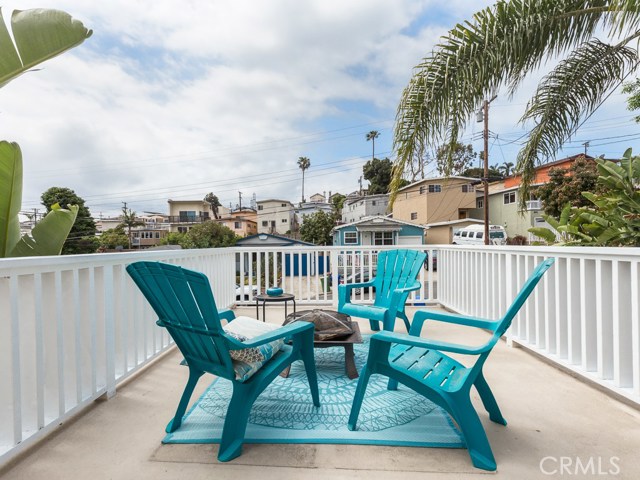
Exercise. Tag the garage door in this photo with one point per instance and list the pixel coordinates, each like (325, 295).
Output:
(409, 240)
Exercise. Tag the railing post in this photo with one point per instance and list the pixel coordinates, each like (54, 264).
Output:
(110, 332)
(334, 278)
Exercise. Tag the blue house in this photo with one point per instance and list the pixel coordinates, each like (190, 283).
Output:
(378, 230)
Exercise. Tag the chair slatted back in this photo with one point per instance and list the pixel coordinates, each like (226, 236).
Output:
(396, 269)
(524, 293)
(185, 306)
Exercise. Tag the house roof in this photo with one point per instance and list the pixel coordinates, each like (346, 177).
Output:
(452, 222)
(274, 200)
(267, 239)
(374, 221)
(430, 180)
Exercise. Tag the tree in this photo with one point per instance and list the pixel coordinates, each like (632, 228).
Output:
(210, 234)
(612, 219)
(177, 238)
(80, 239)
(477, 172)
(566, 186)
(214, 203)
(501, 46)
(36, 36)
(304, 163)
(454, 162)
(506, 168)
(633, 102)
(113, 238)
(316, 228)
(129, 221)
(372, 135)
(378, 173)
(337, 201)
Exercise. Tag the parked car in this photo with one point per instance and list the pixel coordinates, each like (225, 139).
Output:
(246, 292)
(474, 235)
(433, 261)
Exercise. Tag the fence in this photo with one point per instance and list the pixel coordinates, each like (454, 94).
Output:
(72, 328)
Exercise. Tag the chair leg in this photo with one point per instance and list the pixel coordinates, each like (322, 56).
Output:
(174, 424)
(363, 381)
(375, 325)
(389, 321)
(235, 423)
(475, 437)
(488, 400)
(312, 377)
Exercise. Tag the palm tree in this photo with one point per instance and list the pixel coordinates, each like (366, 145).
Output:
(214, 204)
(304, 163)
(129, 221)
(372, 135)
(499, 47)
(506, 168)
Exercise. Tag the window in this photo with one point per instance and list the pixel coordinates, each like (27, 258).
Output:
(468, 188)
(509, 197)
(373, 202)
(350, 238)
(260, 207)
(283, 204)
(414, 215)
(435, 188)
(422, 189)
(237, 225)
(183, 229)
(480, 203)
(479, 234)
(383, 238)
(464, 234)
(157, 234)
(265, 223)
(187, 216)
(284, 220)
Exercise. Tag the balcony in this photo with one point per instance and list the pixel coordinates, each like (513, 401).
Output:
(74, 330)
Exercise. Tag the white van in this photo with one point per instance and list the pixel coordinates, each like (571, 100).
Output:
(474, 235)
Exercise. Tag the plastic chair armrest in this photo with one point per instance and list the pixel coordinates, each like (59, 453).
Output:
(227, 315)
(422, 315)
(282, 333)
(410, 340)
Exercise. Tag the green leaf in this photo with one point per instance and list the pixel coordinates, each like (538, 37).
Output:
(10, 195)
(544, 233)
(49, 234)
(39, 35)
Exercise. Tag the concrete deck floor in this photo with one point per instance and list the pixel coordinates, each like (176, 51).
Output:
(554, 420)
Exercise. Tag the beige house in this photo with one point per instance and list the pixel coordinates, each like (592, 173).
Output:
(275, 216)
(242, 222)
(184, 214)
(434, 200)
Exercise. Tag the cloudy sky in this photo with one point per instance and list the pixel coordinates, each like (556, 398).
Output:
(173, 99)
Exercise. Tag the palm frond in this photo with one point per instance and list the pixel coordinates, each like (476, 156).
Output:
(499, 47)
(573, 90)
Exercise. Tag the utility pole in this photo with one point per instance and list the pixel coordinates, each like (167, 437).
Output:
(239, 200)
(485, 179)
(586, 145)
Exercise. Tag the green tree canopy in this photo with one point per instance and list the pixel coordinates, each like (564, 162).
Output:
(477, 172)
(566, 186)
(209, 234)
(316, 228)
(82, 234)
(214, 203)
(337, 201)
(378, 173)
(454, 162)
(500, 47)
(113, 238)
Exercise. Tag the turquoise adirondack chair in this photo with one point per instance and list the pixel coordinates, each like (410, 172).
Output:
(421, 365)
(396, 274)
(184, 303)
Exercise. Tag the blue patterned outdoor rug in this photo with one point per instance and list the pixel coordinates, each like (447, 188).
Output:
(284, 412)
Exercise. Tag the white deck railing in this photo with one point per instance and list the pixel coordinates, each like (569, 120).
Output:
(72, 328)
